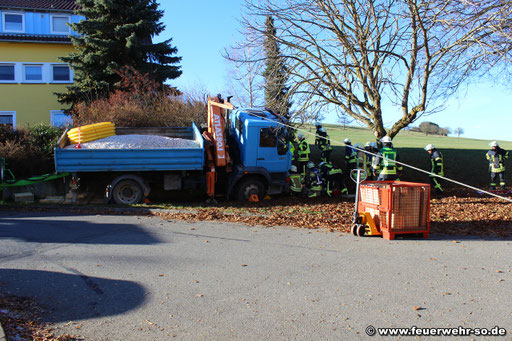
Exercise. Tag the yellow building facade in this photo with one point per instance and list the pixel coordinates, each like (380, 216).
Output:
(33, 35)
(30, 101)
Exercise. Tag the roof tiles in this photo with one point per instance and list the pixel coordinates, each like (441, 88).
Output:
(67, 5)
(34, 38)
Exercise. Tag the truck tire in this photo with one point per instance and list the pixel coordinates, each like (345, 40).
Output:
(249, 187)
(127, 192)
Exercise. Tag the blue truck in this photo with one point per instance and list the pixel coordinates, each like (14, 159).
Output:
(243, 154)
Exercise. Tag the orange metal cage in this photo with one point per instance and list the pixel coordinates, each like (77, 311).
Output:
(396, 206)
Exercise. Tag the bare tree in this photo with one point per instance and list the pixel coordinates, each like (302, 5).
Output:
(356, 54)
(244, 80)
(345, 120)
(459, 131)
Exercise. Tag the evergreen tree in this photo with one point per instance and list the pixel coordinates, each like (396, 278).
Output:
(117, 33)
(276, 73)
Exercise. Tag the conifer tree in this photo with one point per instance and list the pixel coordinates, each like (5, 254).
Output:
(117, 33)
(275, 74)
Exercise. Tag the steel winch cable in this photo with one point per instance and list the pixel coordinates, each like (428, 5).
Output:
(380, 156)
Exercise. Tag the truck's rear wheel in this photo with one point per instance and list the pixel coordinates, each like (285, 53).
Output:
(127, 192)
(249, 188)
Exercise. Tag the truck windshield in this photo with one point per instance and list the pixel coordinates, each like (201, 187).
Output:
(274, 137)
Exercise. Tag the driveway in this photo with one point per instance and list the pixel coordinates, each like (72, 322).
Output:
(108, 277)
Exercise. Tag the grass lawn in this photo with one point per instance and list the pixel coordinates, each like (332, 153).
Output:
(464, 159)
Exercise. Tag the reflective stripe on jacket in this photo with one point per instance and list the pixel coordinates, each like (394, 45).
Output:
(296, 183)
(437, 163)
(303, 152)
(496, 159)
(350, 154)
(386, 161)
(291, 147)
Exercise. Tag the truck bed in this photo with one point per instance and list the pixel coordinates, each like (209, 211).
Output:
(129, 160)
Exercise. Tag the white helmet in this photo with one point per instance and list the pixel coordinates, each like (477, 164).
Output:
(494, 144)
(368, 144)
(385, 139)
(318, 124)
(323, 130)
(293, 168)
(301, 136)
(429, 147)
(311, 164)
(347, 140)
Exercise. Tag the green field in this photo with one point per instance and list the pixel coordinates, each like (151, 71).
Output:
(464, 158)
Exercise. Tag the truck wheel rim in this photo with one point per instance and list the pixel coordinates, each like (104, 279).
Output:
(250, 190)
(127, 193)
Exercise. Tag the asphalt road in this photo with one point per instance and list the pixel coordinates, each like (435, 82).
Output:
(143, 278)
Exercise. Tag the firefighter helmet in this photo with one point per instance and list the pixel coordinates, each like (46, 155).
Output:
(429, 147)
(293, 168)
(385, 139)
(368, 144)
(347, 140)
(311, 164)
(494, 144)
(318, 124)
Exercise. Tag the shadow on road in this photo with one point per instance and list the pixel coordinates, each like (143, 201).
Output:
(67, 297)
(47, 230)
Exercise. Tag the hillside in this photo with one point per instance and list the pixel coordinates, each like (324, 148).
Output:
(405, 139)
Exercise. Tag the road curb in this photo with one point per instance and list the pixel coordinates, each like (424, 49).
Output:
(2, 334)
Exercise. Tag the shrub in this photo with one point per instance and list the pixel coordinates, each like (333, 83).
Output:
(141, 102)
(44, 136)
(29, 152)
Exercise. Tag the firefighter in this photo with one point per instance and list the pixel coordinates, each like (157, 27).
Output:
(296, 186)
(496, 157)
(303, 154)
(324, 143)
(370, 147)
(350, 155)
(437, 167)
(291, 148)
(385, 161)
(359, 155)
(313, 181)
(318, 126)
(332, 179)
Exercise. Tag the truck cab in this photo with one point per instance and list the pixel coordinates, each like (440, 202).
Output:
(258, 139)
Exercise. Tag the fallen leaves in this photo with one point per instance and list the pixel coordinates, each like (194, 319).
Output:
(459, 214)
(21, 320)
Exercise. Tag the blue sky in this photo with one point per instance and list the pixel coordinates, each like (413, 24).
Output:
(201, 30)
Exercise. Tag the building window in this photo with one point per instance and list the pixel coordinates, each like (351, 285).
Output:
(59, 24)
(61, 73)
(13, 22)
(7, 72)
(60, 119)
(33, 73)
(8, 118)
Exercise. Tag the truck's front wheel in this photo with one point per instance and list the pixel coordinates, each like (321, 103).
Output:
(127, 192)
(249, 189)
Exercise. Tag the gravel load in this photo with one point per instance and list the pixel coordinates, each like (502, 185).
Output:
(135, 141)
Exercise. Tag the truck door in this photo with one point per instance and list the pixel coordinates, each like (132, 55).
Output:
(273, 150)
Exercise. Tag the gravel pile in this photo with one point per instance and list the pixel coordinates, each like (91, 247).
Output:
(138, 142)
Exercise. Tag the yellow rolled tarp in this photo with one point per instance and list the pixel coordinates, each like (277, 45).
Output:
(91, 132)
